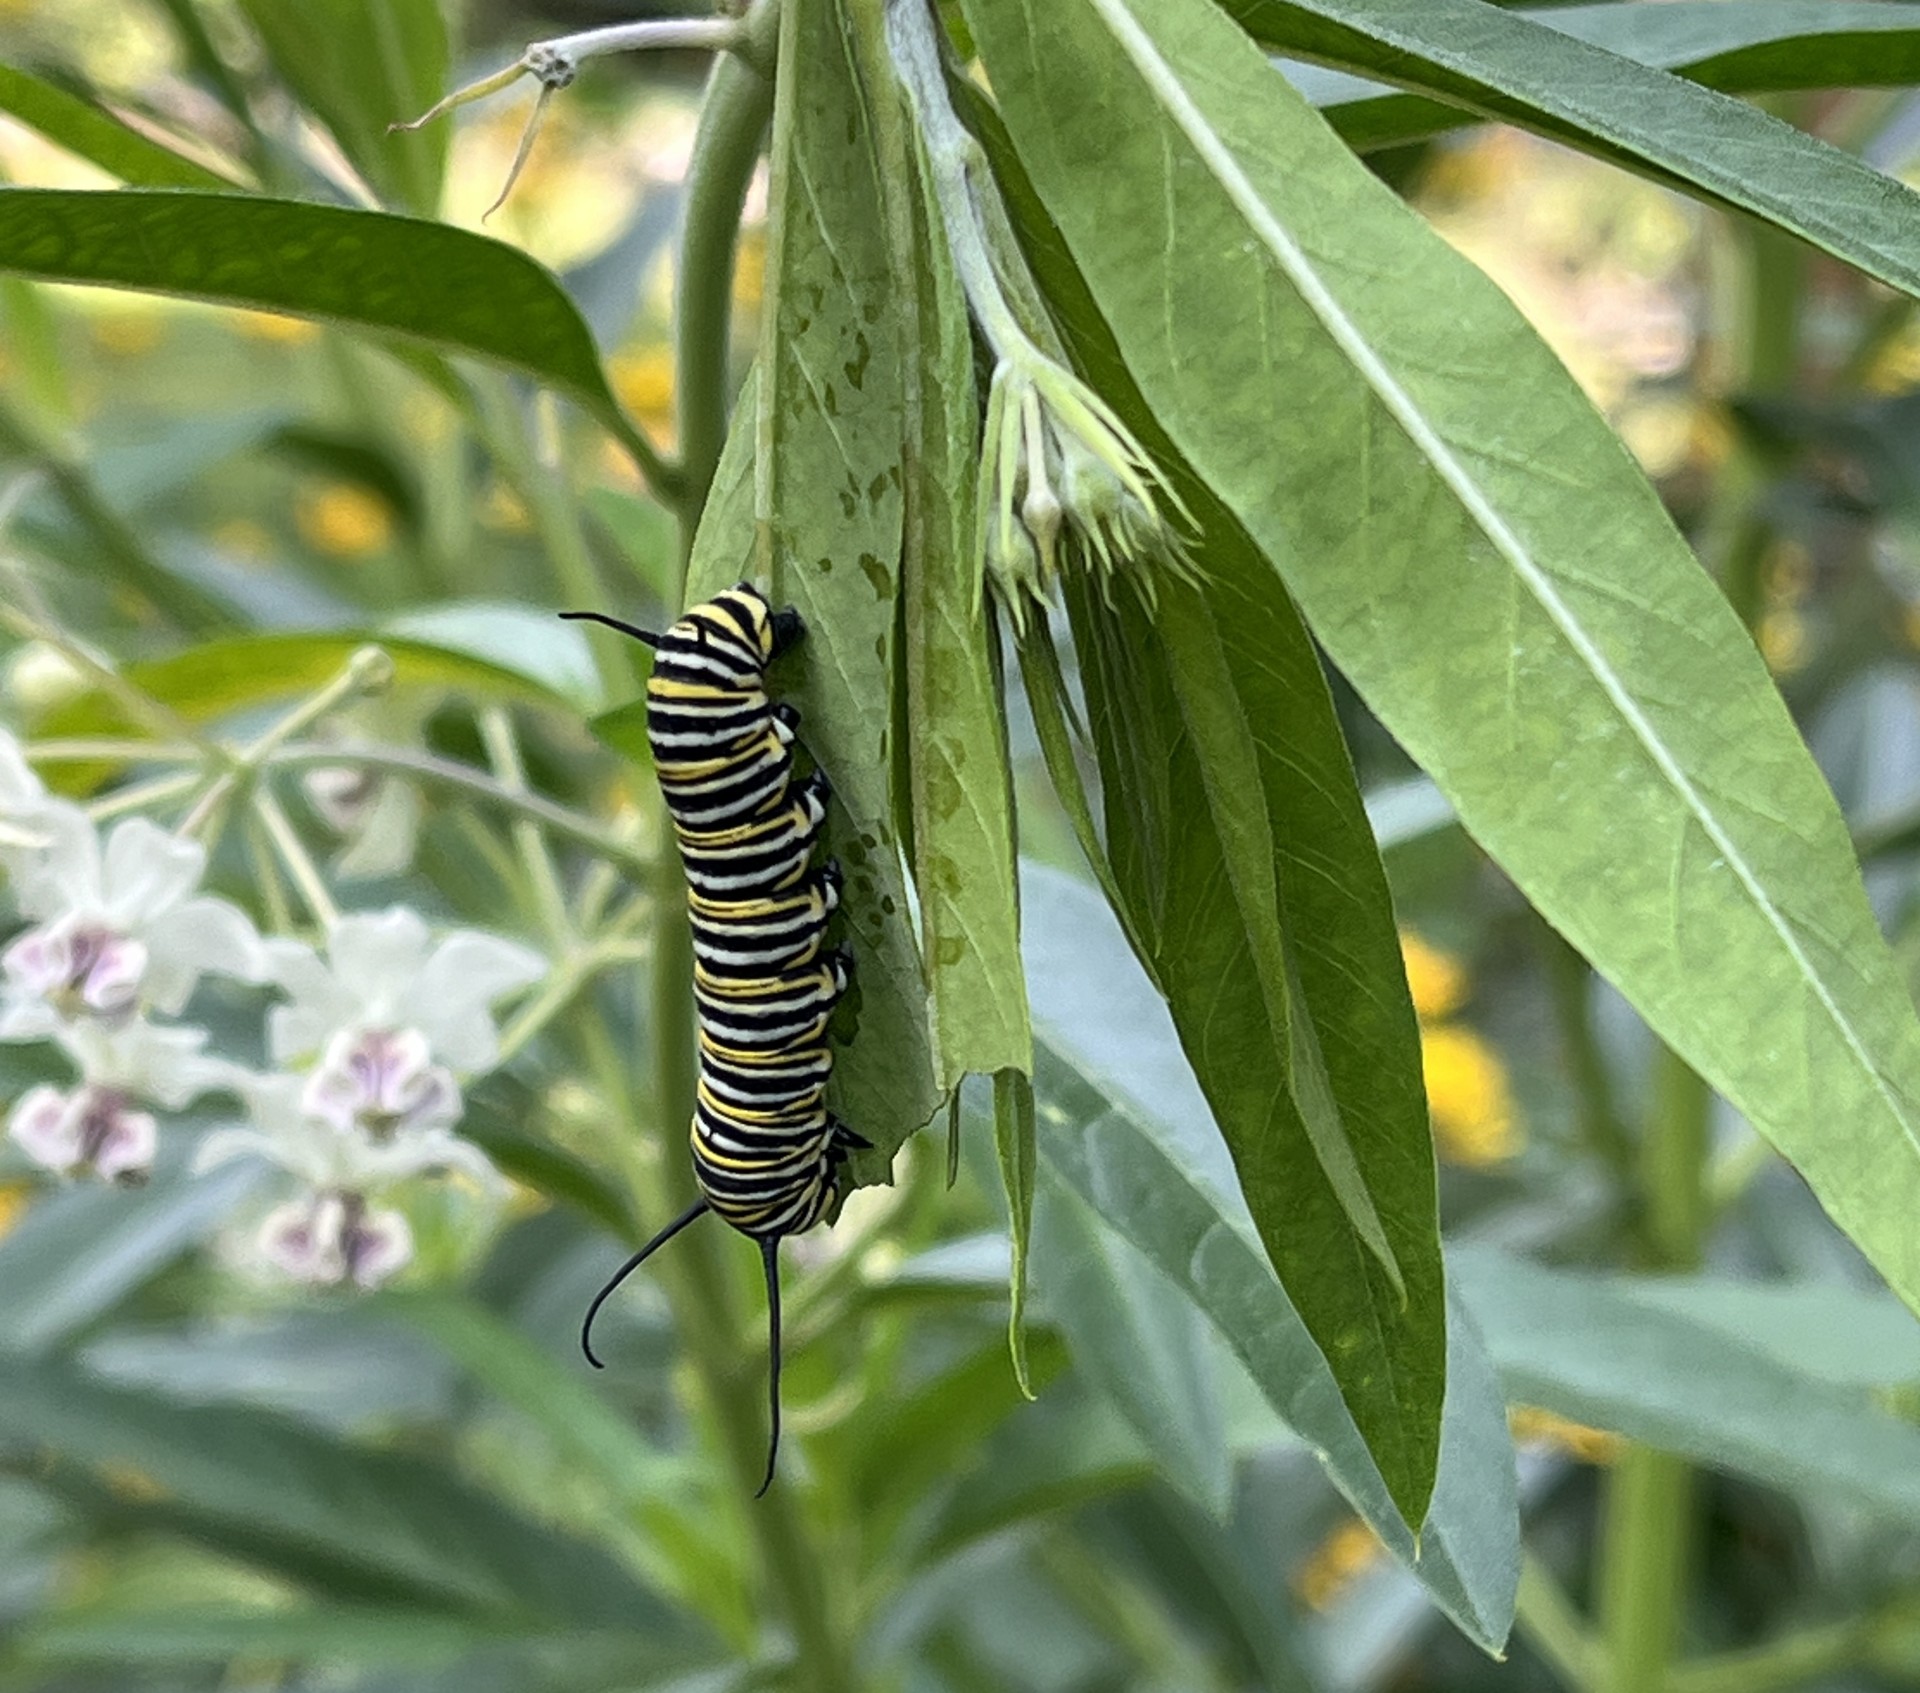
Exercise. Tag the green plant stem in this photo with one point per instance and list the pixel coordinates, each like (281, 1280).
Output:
(1570, 979)
(463, 779)
(1645, 1539)
(1808, 1655)
(1546, 1617)
(726, 148)
(738, 104)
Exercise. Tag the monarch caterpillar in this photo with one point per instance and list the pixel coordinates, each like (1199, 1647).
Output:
(767, 1153)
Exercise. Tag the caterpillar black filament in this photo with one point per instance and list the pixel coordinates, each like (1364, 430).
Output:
(767, 1154)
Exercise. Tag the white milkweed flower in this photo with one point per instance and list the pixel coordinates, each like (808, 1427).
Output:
(332, 1233)
(96, 1127)
(329, 1238)
(120, 927)
(376, 813)
(383, 974)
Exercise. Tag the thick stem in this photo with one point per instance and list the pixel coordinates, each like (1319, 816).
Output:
(1646, 1530)
(726, 149)
(738, 105)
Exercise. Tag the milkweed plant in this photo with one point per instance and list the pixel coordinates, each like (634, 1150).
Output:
(1344, 1116)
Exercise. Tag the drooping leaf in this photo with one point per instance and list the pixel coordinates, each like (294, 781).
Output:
(96, 135)
(1737, 46)
(1124, 1125)
(361, 66)
(1479, 554)
(1014, 1142)
(424, 282)
(1505, 66)
(1237, 827)
(808, 498)
(955, 733)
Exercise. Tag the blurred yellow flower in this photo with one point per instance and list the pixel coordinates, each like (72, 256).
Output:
(275, 327)
(1782, 637)
(344, 521)
(750, 269)
(1535, 1427)
(1346, 1554)
(643, 378)
(1435, 979)
(13, 1202)
(1467, 1096)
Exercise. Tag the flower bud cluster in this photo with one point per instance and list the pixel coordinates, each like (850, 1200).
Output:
(1065, 483)
(369, 1038)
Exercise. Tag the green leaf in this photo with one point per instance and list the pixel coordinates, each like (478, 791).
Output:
(554, 1395)
(1013, 1140)
(370, 271)
(1504, 66)
(508, 639)
(1242, 850)
(392, 1526)
(956, 743)
(1140, 1341)
(1479, 554)
(413, 1637)
(80, 1252)
(1587, 1347)
(1124, 1125)
(360, 66)
(218, 678)
(1737, 46)
(95, 135)
(1315, 1088)
(809, 487)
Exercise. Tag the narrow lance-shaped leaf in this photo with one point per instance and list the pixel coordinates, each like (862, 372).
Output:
(1736, 46)
(427, 282)
(956, 733)
(1480, 555)
(97, 136)
(1379, 1318)
(1244, 857)
(817, 447)
(1013, 1139)
(1123, 1124)
(1506, 66)
(362, 66)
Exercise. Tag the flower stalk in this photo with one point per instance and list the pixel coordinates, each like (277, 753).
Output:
(1064, 482)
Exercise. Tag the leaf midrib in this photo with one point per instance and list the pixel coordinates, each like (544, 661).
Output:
(1165, 84)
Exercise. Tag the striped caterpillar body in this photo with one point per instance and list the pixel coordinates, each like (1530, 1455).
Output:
(767, 1154)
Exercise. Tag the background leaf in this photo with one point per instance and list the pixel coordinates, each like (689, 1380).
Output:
(361, 66)
(818, 505)
(1502, 65)
(96, 135)
(1736, 46)
(1589, 1348)
(424, 281)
